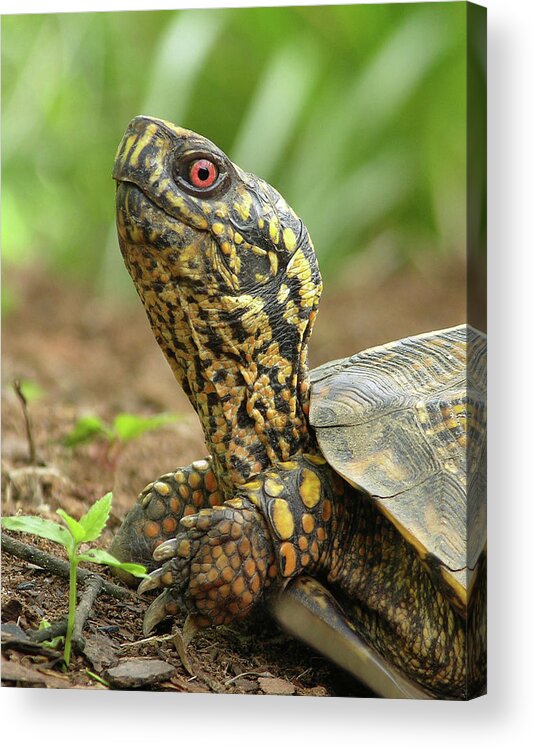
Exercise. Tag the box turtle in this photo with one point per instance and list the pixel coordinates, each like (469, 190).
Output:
(338, 496)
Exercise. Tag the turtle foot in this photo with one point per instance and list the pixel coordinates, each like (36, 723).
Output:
(215, 569)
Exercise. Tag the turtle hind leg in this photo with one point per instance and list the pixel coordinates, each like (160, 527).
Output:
(155, 516)
(308, 611)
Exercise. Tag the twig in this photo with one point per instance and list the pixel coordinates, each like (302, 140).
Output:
(43, 635)
(149, 640)
(29, 433)
(93, 585)
(244, 675)
(59, 567)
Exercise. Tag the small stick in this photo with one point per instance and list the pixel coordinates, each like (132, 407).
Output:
(43, 635)
(29, 433)
(59, 567)
(244, 675)
(93, 585)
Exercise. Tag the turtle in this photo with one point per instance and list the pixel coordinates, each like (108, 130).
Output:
(337, 497)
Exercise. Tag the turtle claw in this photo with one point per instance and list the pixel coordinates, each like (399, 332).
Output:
(163, 606)
(159, 578)
(155, 613)
(166, 550)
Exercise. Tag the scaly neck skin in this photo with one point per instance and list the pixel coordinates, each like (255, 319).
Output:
(244, 372)
(230, 283)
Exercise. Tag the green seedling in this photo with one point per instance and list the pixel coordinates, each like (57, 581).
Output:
(125, 428)
(72, 537)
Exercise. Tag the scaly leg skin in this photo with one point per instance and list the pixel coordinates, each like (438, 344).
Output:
(216, 569)
(156, 515)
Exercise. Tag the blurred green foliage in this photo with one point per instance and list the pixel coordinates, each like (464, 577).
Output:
(355, 113)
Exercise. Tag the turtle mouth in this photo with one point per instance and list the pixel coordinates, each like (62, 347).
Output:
(140, 220)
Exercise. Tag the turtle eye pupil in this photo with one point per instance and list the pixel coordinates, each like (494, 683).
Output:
(203, 173)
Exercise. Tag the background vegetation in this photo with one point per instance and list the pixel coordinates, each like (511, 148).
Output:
(355, 113)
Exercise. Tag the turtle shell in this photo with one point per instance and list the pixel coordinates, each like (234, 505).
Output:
(405, 423)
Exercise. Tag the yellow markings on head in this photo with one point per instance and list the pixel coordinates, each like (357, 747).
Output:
(290, 240)
(310, 488)
(238, 239)
(217, 228)
(274, 230)
(126, 146)
(282, 519)
(261, 223)
(288, 559)
(273, 261)
(143, 140)
(242, 206)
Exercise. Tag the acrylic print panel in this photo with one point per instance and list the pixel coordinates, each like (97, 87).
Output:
(313, 517)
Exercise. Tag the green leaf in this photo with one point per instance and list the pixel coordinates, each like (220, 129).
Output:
(76, 530)
(94, 521)
(87, 429)
(53, 643)
(128, 426)
(43, 528)
(99, 556)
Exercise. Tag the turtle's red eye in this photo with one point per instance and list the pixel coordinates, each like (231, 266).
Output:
(203, 173)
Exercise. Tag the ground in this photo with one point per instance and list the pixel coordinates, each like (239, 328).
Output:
(90, 355)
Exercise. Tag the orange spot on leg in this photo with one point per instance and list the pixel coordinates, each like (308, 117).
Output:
(151, 529)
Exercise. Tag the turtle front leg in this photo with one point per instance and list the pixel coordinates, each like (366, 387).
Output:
(216, 569)
(156, 514)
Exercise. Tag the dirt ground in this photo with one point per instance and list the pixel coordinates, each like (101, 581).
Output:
(91, 356)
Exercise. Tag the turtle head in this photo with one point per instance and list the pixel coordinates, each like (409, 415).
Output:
(225, 269)
(193, 215)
